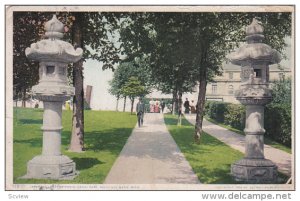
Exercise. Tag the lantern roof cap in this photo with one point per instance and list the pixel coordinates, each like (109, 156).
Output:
(53, 49)
(254, 50)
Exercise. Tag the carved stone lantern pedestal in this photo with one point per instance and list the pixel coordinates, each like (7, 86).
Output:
(54, 56)
(254, 59)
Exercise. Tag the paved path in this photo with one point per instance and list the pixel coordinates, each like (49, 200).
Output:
(280, 158)
(151, 156)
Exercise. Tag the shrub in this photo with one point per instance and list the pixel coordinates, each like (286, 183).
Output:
(278, 123)
(235, 116)
(216, 110)
(277, 118)
(207, 108)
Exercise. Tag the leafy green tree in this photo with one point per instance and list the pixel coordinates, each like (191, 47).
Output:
(120, 77)
(115, 91)
(94, 32)
(137, 68)
(165, 42)
(133, 88)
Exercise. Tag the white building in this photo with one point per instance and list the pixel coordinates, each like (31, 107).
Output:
(223, 87)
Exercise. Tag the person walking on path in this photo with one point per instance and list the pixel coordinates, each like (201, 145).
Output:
(186, 106)
(140, 110)
(162, 105)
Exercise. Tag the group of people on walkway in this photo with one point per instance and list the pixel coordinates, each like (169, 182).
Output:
(189, 107)
(156, 106)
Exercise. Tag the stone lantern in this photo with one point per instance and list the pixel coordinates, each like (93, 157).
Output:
(254, 59)
(53, 55)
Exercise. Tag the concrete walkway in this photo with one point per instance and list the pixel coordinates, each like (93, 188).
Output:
(280, 158)
(151, 156)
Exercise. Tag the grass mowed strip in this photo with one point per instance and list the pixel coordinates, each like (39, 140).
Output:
(211, 160)
(106, 133)
(267, 140)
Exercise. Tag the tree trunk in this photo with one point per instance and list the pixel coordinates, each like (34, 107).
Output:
(23, 103)
(174, 102)
(117, 106)
(24, 98)
(77, 138)
(179, 107)
(200, 106)
(132, 102)
(179, 102)
(124, 106)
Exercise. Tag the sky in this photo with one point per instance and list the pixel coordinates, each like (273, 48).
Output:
(98, 78)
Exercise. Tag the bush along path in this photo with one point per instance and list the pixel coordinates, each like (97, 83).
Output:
(277, 121)
(281, 158)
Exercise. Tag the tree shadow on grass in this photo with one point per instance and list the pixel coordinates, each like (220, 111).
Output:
(173, 121)
(31, 121)
(34, 142)
(86, 163)
(38, 142)
(65, 137)
(112, 140)
(215, 176)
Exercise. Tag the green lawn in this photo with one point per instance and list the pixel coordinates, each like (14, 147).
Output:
(106, 133)
(211, 160)
(267, 140)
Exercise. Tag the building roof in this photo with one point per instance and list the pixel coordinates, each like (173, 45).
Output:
(227, 66)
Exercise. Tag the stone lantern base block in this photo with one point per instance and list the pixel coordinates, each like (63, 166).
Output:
(254, 171)
(51, 167)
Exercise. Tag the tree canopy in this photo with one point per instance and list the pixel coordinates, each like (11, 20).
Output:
(136, 74)
(181, 49)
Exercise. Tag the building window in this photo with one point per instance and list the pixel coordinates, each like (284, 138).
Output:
(230, 89)
(231, 75)
(214, 88)
(61, 71)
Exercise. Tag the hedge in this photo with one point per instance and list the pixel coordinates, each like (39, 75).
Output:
(277, 118)
(217, 110)
(278, 123)
(235, 116)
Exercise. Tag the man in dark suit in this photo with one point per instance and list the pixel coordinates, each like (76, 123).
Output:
(187, 106)
(140, 110)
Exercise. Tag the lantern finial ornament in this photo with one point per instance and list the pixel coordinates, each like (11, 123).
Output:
(54, 28)
(254, 28)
